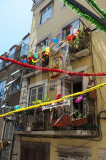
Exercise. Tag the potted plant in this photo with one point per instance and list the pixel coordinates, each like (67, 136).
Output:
(79, 120)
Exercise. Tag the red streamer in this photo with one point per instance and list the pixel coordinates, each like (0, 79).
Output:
(51, 69)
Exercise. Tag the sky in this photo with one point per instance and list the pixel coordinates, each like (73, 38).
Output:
(15, 22)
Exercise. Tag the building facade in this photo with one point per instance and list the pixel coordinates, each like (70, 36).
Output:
(58, 131)
(10, 87)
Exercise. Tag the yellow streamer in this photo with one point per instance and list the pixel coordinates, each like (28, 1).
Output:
(54, 101)
(36, 60)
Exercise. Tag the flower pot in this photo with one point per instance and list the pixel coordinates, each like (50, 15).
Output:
(79, 122)
(28, 128)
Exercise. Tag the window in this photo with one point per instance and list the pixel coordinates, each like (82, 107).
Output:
(2, 87)
(15, 85)
(69, 29)
(11, 54)
(36, 93)
(46, 14)
(43, 43)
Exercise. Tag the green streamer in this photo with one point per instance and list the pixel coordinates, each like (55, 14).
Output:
(95, 5)
(87, 17)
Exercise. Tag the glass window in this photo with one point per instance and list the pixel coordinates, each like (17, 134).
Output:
(37, 93)
(70, 28)
(46, 14)
(15, 85)
(2, 87)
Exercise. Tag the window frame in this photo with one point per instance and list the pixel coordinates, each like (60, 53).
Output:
(42, 82)
(37, 93)
(46, 8)
(12, 91)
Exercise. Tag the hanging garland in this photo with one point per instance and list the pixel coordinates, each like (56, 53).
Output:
(53, 101)
(87, 17)
(52, 69)
(95, 5)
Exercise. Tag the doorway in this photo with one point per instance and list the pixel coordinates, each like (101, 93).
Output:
(32, 154)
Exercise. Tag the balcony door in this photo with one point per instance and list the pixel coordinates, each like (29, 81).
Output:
(32, 154)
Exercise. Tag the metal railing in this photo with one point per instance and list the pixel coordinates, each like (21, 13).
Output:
(59, 118)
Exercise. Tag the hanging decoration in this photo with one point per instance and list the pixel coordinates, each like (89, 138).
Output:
(87, 17)
(95, 6)
(54, 101)
(51, 69)
(36, 55)
(76, 32)
(35, 61)
(71, 38)
(78, 100)
(24, 61)
(55, 40)
(17, 107)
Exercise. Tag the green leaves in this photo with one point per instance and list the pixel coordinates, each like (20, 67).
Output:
(95, 6)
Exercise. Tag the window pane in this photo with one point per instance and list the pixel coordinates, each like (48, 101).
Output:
(40, 96)
(44, 16)
(40, 89)
(75, 25)
(49, 12)
(33, 98)
(33, 91)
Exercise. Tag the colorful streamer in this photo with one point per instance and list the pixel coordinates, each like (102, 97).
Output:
(51, 69)
(36, 60)
(95, 6)
(53, 101)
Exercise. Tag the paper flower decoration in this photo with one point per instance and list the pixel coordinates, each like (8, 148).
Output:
(78, 100)
(36, 55)
(71, 37)
(75, 32)
(16, 107)
(59, 96)
(24, 61)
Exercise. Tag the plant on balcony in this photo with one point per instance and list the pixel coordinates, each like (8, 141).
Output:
(79, 119)
(80, 42)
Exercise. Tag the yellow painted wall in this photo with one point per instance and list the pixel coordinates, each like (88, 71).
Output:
(54, 143)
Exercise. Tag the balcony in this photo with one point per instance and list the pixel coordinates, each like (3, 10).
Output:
(58, 121)
(24, 51)
(79, 45)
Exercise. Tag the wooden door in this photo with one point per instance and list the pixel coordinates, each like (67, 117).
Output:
(32, 154)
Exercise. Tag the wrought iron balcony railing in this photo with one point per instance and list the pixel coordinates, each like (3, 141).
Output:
(57, 119)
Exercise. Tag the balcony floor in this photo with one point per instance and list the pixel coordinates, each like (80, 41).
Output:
(74, 133)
